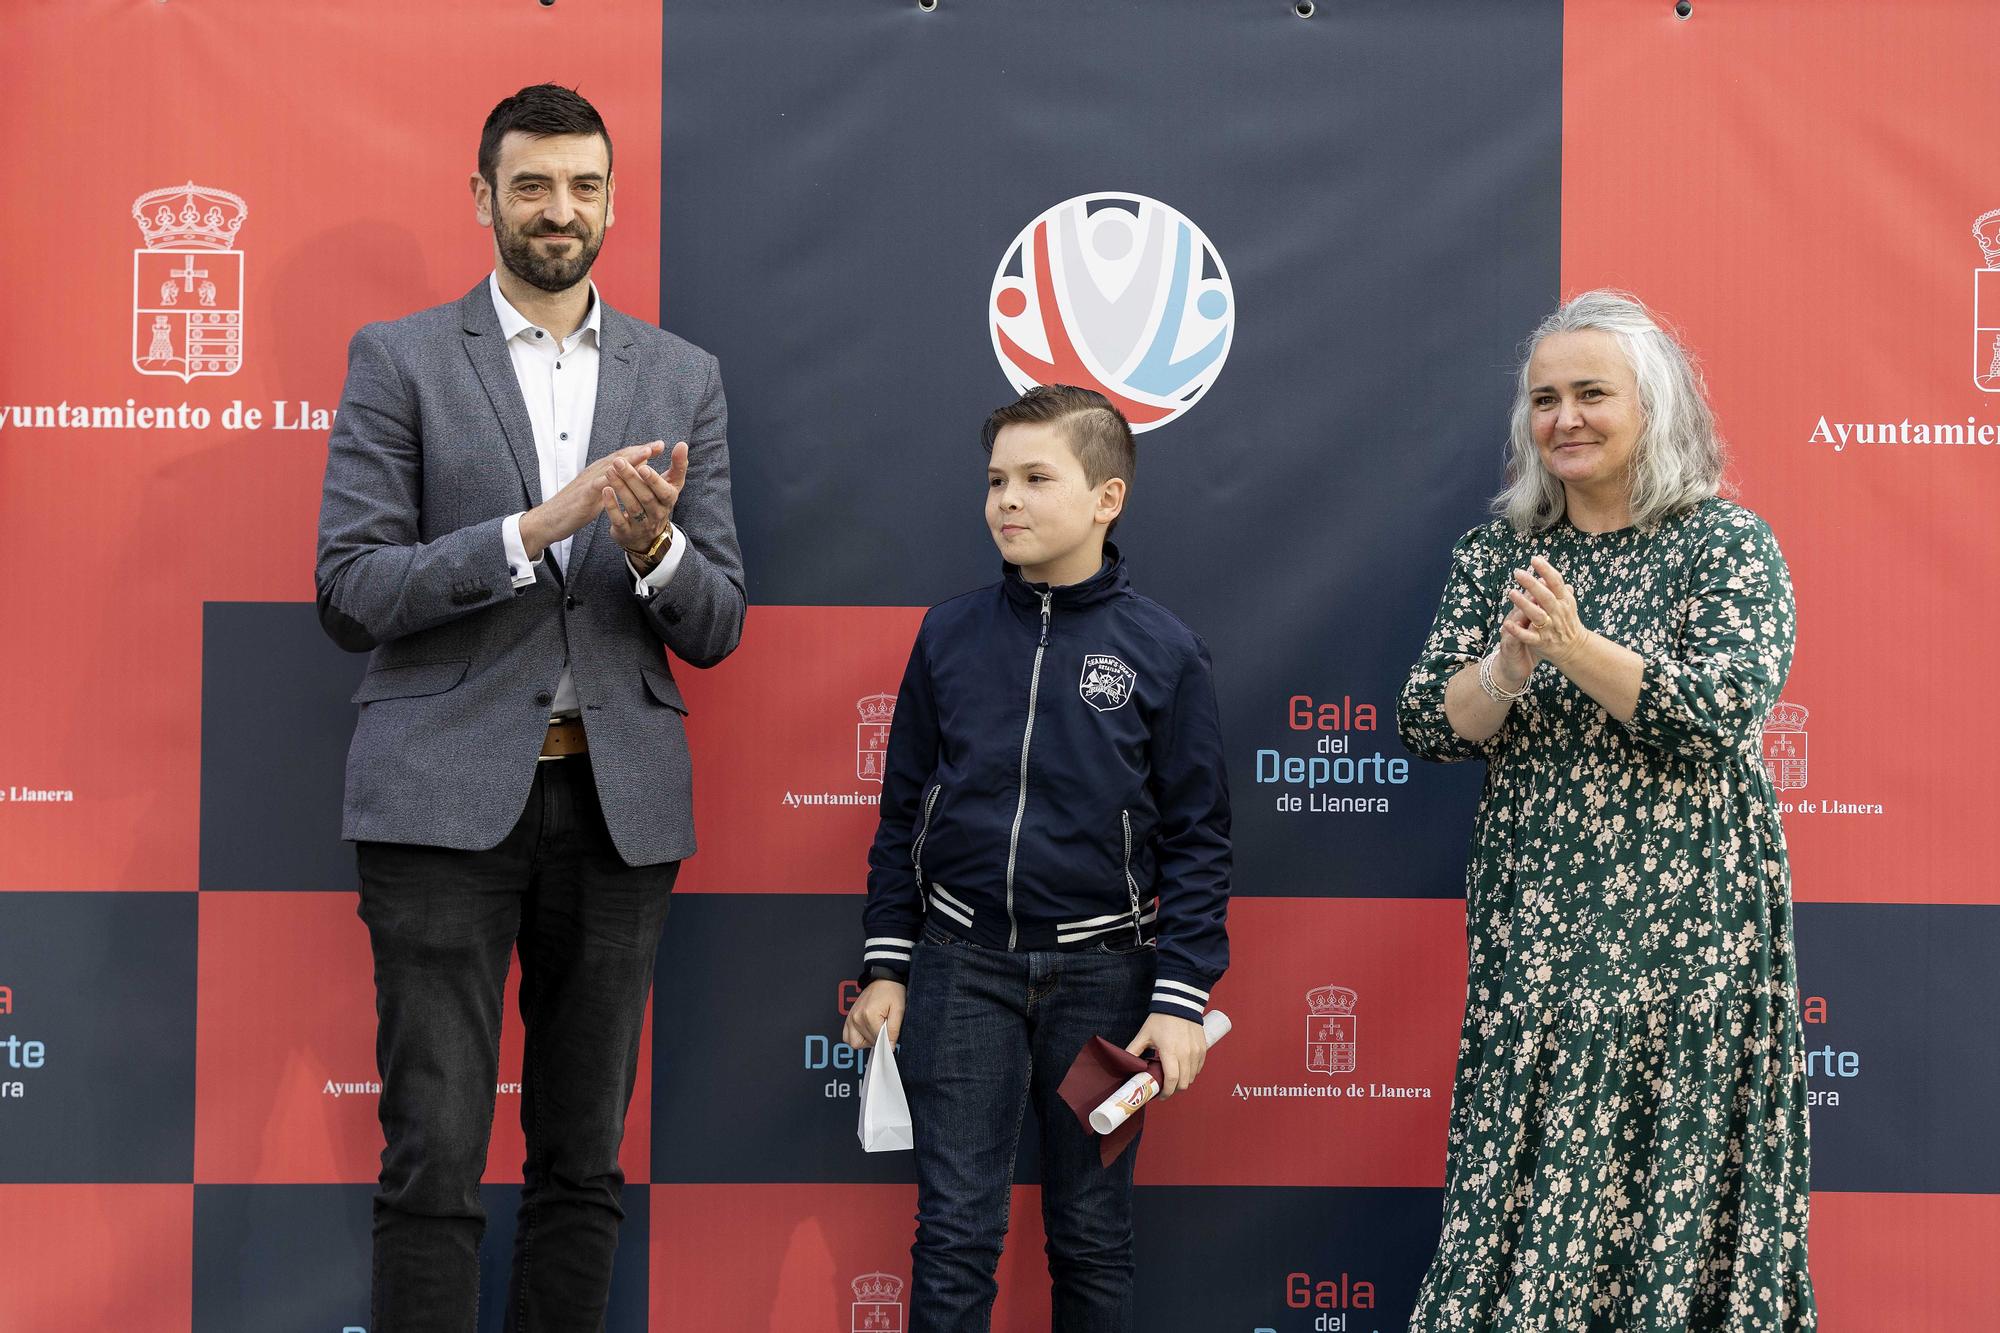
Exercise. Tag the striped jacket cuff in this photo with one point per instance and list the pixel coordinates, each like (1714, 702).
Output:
(885, 955)
(1179, 999)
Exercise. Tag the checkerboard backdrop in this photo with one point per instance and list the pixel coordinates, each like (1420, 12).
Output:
(838, 201)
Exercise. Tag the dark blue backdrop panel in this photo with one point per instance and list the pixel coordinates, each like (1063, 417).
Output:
(1906, 1062)
(295, 1257)
(1381, 184)
(97, 1044)
(1282, 1259)
(275, 722)
(751, 1081)
(281, 1256)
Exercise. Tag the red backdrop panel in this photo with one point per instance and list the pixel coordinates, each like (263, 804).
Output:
(1906, 1261)
(793, 727)
(350, 218)
(785, 1257)
(285, 1029)
(1359, 997)
(96, 1257)
(1795, 187)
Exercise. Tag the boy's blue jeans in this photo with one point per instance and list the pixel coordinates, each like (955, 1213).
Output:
(986, 1035)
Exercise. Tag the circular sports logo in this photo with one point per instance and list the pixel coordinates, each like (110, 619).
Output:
(1117, 293)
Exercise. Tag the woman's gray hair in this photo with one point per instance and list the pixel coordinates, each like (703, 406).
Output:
(1677, 461)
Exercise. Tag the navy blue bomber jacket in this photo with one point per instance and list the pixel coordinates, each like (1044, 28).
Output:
(1055, 780)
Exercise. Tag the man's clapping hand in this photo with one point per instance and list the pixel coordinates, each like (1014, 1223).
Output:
(640, 502)
(596, 490)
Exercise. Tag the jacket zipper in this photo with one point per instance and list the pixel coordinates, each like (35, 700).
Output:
(917, 848)
(1021, 805)
(1131, 885)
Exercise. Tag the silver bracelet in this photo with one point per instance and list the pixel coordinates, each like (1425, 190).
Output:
(1492, 687)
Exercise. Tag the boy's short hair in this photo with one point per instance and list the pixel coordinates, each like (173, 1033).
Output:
(1098, 434)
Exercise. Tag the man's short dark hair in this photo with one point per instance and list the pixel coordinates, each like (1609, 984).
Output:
(542, 110)
(1097, 432)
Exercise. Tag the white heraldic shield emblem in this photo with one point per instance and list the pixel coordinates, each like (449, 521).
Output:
(1331, 1038)
(187, 283)
(1106, 682)
(871, 736)
(878, 1303)
(1986, 304)
(1785, 746)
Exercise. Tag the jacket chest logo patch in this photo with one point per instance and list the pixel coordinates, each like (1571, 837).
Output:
(1106, 683)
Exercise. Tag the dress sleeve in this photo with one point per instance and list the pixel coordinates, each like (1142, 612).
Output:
(1732, 647)
(1461, 633)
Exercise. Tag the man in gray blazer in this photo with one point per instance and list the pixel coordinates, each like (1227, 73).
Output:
(505, 533)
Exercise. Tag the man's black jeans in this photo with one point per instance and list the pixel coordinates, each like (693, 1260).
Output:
(442, 924)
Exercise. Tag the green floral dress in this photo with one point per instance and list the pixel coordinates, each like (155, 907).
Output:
(1628, 1126)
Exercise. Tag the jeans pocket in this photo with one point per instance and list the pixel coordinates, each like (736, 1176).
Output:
(932, 935)
(1123, 948)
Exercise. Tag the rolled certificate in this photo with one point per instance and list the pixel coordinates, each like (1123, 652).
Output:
(1142, 1087)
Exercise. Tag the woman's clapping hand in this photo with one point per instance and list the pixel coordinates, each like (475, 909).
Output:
(1544, 621)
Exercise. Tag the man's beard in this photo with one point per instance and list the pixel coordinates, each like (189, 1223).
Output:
(551, 273)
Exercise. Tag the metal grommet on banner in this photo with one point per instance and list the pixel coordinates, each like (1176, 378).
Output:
(927, 5)
(1305, 9)
(1683, 8)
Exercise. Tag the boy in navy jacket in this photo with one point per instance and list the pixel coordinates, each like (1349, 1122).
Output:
(1052, 864)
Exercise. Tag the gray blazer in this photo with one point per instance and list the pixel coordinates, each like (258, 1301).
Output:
(430, 451)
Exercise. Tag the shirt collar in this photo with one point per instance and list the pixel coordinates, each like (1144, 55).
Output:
(513, 322)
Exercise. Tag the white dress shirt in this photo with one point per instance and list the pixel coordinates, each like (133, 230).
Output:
(558, 379)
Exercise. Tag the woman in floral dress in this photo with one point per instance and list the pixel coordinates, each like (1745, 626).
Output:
(1628, 1128)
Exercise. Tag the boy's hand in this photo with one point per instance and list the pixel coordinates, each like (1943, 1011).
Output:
(879, 1008)
(1180, 1044)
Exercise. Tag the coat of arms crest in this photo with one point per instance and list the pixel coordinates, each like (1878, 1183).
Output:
(187, 283)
